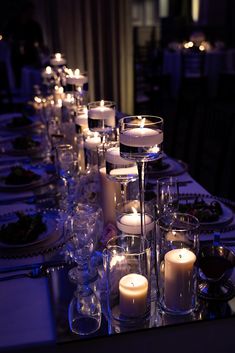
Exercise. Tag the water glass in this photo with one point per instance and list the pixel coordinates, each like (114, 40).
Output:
(167, 191)
(84, 313)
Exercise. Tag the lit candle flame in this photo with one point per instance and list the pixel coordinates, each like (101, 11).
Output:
(77, 73)
(142, 123)
(102, 103)
(134, 210)
(37, 99)
(48, 70)
(58, 56)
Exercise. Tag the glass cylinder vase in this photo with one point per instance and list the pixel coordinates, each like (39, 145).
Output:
(176, 255)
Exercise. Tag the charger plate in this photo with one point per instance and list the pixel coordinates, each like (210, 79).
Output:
(52, 239)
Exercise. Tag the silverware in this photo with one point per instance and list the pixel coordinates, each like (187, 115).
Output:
(35, 272)
(42, 265)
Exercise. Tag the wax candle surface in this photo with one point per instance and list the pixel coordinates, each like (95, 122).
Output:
(141, 137)
(133, 290)
(179, 268)
(91, 143)
(131, 223)
(103, 112)
(113, 156)
(76, 78)
(110, 196)
(82, 119)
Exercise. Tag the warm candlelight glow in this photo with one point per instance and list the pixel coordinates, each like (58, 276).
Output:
(133, 290)
(201, 47)
(102, 103)
(58, 56)
(37, 99)
(48, 70)
(195, 10)
(142, 123)
(77, 73)
(134, 210)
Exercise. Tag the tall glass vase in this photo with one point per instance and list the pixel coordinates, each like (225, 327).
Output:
(141, 140)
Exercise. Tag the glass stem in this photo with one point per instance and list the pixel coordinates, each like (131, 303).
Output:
(123, 191)
(141, 173)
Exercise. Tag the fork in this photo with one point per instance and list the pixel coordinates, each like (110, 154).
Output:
(36, 272)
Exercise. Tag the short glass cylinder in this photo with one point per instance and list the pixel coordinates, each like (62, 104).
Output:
(127, 260)
(177, 247)
(101, 116)
(141, 137)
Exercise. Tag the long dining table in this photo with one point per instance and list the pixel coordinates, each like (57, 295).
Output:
(33, 311)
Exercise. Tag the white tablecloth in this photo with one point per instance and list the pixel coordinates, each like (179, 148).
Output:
(25, 308)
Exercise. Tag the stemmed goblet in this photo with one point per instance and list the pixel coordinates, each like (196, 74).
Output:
(141, 140)
(66, 168)
(86, 225)
(119, 169)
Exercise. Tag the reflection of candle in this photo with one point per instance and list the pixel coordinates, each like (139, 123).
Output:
(76, 78)
(133, 289)
(179, 264)
(113, 156)
(57, 60)
(140, 137)
(103, 112)
(110, 196)
(131, 223)
(92, 142)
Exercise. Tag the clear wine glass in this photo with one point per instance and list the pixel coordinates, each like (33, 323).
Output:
(141, 140)
(84, 313)
(86, 227)
(167, 190)
(119, 169)
(66, 168)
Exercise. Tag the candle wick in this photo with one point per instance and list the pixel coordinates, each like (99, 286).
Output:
(180, 256)
(132, 284)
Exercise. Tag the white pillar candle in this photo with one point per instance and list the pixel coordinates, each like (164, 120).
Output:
(92, 142)
(82, 118)
(130, 223)
(57, 60)
(178, 287)
(141, 137)
(103, 112)
(110, 196)
(133, 290)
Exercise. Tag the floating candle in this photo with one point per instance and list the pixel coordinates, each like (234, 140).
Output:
(76, 78)
(130, 223)
(141, 137)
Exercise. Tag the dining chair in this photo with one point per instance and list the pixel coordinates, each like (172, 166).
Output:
(193, 77)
